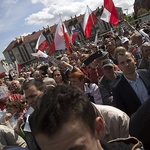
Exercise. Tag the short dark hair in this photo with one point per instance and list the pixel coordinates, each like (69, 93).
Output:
(39, 84)
(59, 105)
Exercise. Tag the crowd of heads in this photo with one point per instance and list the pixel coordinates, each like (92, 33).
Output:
(55, 89)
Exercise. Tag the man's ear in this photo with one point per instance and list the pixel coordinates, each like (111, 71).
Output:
(99, 128)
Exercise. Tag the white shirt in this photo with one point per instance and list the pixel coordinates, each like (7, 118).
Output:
(139, 88)
(93, 89)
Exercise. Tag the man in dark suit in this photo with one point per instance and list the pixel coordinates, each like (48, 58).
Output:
(140, 124)
(134, 87)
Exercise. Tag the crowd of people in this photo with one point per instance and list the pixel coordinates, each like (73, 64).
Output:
(95, 99)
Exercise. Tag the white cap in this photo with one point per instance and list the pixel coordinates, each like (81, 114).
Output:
(124, 39)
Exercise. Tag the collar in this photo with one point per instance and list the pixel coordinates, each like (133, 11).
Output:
(131, 81)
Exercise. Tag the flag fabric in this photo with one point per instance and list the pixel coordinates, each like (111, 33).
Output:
(67, 39)
(18, 67)
(74, 34)
(89, 20)
(40, 54)
(3, 74)
(61, 39)
(109, 13)
(42, 44)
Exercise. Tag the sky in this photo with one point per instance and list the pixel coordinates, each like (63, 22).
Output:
(22, 17)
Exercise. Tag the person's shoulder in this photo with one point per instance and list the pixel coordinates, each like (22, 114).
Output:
(5, 129)
(119, 73)
(121, 81)
(126, 143)
(102, 79)
(143, 71)
(143, 64)
(113, 111)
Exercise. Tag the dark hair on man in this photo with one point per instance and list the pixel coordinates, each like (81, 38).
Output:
(59, 105)
(44, 69)
(39, 84)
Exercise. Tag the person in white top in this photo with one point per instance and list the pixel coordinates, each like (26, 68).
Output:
(81, 81)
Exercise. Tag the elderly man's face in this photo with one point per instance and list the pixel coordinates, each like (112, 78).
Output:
(16, 85)
(146, 52)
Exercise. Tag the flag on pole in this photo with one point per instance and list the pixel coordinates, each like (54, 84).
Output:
(109, 13)
(42, 44)
(74, 34)
(89, 20)
(67, 39)
(17, 66)
(40, 54)
(61, 39)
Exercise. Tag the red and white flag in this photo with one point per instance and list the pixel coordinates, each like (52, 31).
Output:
(89, 20)
(40, 54)
(42, 44)
(17, 66)
(74, 34)
(61, 39)
(109, 13)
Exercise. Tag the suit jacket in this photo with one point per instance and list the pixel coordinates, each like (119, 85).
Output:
(124, 96)
(140, 124)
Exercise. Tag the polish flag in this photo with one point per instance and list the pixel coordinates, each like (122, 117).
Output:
(109, 13)
(3, 74)
(17, 66)
(74, 34)
(89, 20)
(61, 39)
(42, 44)
(40, 54)
(67, 39)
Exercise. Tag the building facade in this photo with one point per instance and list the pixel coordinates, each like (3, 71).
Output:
(141, 4)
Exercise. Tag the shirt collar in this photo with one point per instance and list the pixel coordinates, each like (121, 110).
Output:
(131, 81)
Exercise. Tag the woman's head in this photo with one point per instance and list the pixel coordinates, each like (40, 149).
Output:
(78, 79)
(59, 77)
